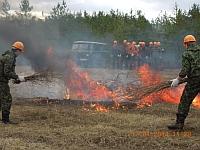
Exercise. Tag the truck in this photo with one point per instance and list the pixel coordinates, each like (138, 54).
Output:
(91, 54)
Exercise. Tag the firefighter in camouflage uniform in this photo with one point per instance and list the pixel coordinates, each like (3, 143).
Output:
(191, 69)
(7, 72)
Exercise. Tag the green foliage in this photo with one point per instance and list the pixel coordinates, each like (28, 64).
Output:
(106, 26)
(59, 11)
(5, 7)
(25, 7)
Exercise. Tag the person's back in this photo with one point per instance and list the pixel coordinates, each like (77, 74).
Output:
(192, 62)
(7, 66)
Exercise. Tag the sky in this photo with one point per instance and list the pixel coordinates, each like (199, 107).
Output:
(150, 8)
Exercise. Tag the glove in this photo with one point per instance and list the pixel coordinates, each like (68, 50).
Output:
(175, 82)
(21, 79)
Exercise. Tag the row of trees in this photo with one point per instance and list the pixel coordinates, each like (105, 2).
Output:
(25, 7)
(116, 24)
(63, 26)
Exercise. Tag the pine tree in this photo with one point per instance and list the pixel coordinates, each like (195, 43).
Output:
(5, 7)
(25, 7)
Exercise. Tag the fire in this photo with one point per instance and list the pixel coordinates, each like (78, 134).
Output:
(80, 86)
(99, 108)
(147, 76)
(171, 95)
(67, 94)
(196, 102)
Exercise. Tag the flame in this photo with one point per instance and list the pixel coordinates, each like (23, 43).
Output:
(147, 76)
(99, 108)
(170, 95)
(196, 102)
(80, 86)
(67, 94)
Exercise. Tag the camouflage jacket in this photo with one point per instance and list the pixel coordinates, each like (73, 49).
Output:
(191, 63)
(7, 66)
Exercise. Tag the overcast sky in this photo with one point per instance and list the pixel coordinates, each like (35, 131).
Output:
(150, 8)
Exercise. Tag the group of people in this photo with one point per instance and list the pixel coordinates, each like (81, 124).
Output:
(130, 55)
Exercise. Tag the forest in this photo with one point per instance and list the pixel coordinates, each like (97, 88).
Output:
(62, 27)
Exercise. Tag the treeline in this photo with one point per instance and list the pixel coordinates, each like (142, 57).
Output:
(107, 26)
(63, 26)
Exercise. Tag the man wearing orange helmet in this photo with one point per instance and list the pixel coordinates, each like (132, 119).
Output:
(191, 69)
(7, 72)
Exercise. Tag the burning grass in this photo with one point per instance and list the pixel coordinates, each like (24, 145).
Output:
(147, 88)
(49, 125)
(150, 88)
(68, 127)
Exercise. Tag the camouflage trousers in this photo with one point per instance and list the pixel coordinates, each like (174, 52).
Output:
(5, 98)
(189, 93)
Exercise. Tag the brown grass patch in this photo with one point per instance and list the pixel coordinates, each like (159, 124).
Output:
(70, 127)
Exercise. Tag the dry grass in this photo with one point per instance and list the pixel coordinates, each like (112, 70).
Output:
(70, 127)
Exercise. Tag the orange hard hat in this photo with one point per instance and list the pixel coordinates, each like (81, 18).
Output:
(18, 45)
(189, 38)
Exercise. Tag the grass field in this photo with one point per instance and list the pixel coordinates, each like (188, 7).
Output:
(70, 127)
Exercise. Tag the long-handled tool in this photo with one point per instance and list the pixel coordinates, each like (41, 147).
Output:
(156, 88)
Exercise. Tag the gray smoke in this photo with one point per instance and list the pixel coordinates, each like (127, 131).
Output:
(40, 44)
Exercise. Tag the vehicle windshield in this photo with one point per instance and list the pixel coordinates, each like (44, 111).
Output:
(81, 46)
(86, 46)
(98, 47)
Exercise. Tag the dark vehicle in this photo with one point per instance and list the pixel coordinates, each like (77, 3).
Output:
(91, 54)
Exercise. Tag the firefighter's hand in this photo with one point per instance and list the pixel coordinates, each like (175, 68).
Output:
(175, 82)
(21, 78)
(17, 81)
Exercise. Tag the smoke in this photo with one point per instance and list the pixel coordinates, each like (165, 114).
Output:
(40, 43)
(46, 47)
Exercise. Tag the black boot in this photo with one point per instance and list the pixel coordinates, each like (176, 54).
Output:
(5, 117)
(179, 122)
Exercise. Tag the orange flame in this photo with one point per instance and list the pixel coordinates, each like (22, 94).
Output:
(147, 76)
(171, 95)
(99, 108)
(80, 86)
